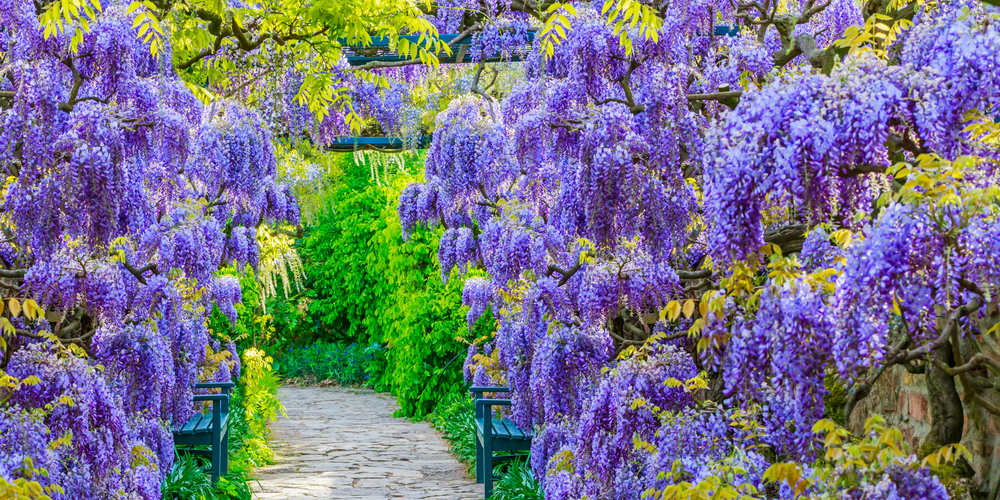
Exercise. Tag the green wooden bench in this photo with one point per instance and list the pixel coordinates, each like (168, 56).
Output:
(495, 434)
(209, 429)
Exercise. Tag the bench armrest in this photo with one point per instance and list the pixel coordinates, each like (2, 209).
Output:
(224, 386)
(211, 397)
(484, 410)
(216, 399)
(479, 390)
(487, 404)
(492, 402)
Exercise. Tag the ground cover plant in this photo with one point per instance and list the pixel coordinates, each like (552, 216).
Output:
(351, 364)
(454, 418)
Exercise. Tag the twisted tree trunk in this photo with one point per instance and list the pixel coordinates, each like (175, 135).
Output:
(947, 413)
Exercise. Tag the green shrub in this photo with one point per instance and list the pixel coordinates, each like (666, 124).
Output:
(517, 483)
(346, 364)
(366, 285)
(258, 405)
(187, 481)
(376, 366)
(454, 418)
(334, 251)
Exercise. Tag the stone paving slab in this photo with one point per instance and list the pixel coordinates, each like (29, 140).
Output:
(344, 443)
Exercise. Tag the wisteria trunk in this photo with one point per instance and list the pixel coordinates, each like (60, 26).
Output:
(947, 416)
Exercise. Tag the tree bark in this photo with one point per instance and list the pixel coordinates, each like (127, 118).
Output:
(947, 415)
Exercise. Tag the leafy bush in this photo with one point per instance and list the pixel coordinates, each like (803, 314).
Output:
(454, 418)
(517, 483)
(257, 404)
(187, 481)
(347, 364)
(367, 285)
(334, 250)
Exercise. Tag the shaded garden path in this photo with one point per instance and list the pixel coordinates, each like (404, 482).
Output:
(344, 443)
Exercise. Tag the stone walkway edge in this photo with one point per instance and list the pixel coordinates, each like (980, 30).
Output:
(344, 443)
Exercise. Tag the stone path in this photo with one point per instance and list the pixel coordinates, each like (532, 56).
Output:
(343, 443)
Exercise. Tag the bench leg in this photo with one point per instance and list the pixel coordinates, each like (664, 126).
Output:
(488, 466)
(216, 458)
(480, 462)
(225, 453)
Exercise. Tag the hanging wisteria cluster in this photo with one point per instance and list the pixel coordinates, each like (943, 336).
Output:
(689, 238)
(124, 197)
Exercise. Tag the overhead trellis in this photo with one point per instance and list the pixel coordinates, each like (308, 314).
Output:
(726, 30)
(383, 144)
(381, 50)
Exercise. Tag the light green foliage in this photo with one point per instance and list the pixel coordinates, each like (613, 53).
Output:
(418, 317)
(252, 42)
(311, 174)
(453, 417)
(59, 15)
(365, 284)
(338, 293)
(258, 401)
(630, 19)
(25, 487)
(186, 481)
(850, 461)
(147, 24)
(518, 483)
(254, 404)
(252, 326)
(847, 463)
(280, 266)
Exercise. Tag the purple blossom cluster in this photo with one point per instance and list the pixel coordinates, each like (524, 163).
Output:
(803, 140)
(226, 293)
(621, 410)
(608, 175)
(787, 348)
(896, 263)
(96, 461)
(500, 41)
(126, 195)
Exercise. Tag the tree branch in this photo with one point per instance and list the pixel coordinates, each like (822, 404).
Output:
(138, 272)
(12, 273)
(695, 275)
(566, 273)
(717, 96)
(624, 340)
(900, 356)
(857, 170)
(978, 361)
(280, 230)
(789, 238)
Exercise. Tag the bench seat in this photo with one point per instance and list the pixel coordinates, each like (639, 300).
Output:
(495, 434)
(209, 429)
(506, 435)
